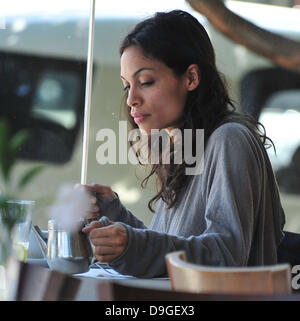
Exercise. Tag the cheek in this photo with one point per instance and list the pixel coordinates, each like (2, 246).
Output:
(174, 106)
(168, 102)
(166, 106)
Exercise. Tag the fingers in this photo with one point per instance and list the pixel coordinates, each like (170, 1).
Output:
(104, 190)
(94, 208)
(114, 235)
(107, 231)
(105, 258)
(93, 200)
(94, 187)
(104, 250)
(90, 227)
(94, 212)
(93, 226)
(109, 241)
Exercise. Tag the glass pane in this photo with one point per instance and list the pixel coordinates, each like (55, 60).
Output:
(281, 118)
(43, 54)
(56, 97)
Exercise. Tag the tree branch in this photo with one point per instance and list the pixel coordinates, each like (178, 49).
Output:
(283, 51)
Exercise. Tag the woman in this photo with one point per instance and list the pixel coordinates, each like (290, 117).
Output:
(228, 215)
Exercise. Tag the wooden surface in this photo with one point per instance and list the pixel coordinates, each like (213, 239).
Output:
(36, 283)
(189, 277)
(114, 291)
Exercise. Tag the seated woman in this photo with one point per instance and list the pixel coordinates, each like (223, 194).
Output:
(229, 213)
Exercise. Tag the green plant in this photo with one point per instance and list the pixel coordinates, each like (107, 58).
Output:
(9, 147)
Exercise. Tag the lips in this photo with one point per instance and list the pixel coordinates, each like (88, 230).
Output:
(139, 117)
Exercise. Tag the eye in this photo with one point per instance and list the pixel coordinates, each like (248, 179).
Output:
(126, 88)
(147, 83)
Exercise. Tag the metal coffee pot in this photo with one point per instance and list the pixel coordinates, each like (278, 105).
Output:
(65, 251)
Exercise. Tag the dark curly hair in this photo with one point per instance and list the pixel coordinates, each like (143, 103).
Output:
(177, 39)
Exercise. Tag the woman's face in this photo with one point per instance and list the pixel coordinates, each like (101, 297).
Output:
(156, 96)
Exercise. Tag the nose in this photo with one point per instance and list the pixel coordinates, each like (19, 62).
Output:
(133, 98)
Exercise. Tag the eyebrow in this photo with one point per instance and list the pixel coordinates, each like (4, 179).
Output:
(138, 71)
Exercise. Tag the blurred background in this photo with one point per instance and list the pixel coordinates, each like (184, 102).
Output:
(43, 56)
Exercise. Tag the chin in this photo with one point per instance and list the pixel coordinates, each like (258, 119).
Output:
(145, 129)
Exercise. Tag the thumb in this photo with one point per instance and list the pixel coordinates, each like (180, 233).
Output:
(91, 226)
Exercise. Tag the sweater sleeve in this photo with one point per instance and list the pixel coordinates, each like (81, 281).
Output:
(116, 211)
(230, 188)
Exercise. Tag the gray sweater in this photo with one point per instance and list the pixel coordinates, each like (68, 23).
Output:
(229, 215)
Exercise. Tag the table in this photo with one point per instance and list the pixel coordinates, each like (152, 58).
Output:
(88, 290)
(88, 287)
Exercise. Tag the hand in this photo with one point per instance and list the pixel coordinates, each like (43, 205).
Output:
(109, 241)
(104, 191)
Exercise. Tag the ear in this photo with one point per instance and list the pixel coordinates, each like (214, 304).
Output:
(192, 77)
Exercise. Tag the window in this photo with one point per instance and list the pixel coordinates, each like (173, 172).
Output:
(45, 96)
(281, 118)
(56, 96)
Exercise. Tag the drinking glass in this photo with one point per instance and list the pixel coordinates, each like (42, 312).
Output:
(22, 211)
